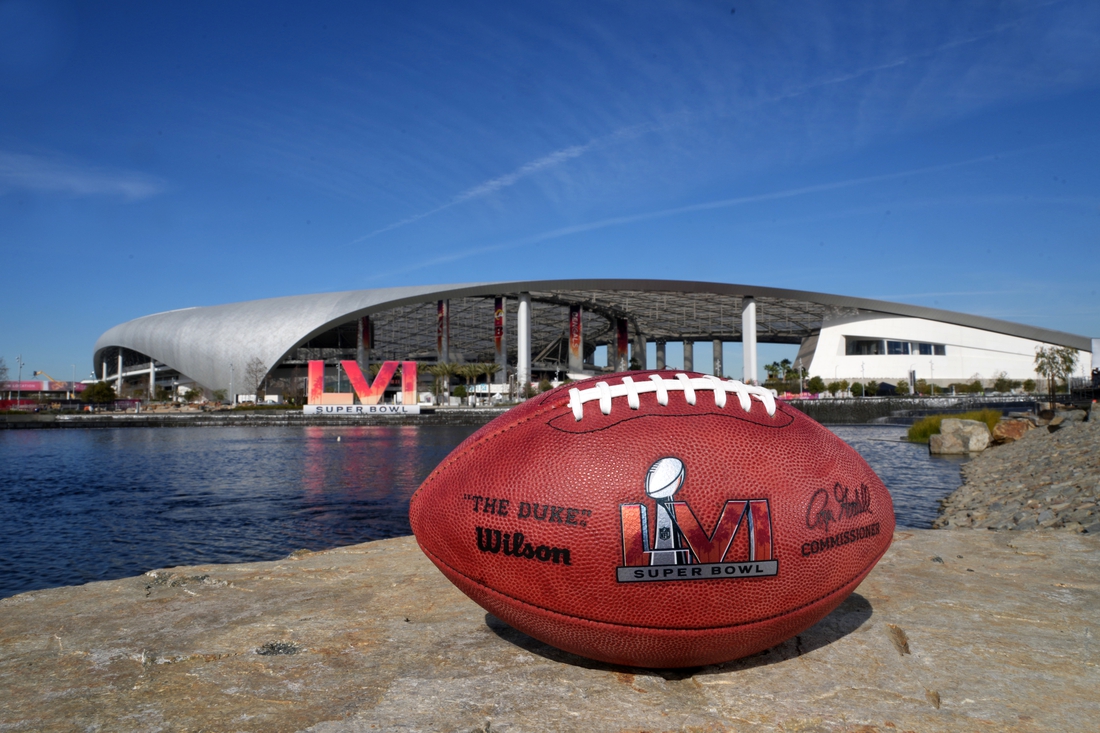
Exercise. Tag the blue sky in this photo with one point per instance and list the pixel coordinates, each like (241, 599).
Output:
(157, 156)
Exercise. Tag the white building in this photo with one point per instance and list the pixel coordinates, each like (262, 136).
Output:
(868, 346)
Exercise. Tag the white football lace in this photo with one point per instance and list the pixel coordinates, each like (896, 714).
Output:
(604, 392)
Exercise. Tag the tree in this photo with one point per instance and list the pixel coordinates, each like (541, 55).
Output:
(1029, 385)
(815, 385)
(194, 394)
(903, 387)
(1001, 382)
(857, 389)
(870, 389)
(834, 387)
(544, 385)
(220, 394)
(1054, 363)
(489, 369)
(99, 393)
(254, 372)
(442, 373)
(773, 370)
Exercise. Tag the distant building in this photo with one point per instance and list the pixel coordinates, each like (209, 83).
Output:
(552, 328)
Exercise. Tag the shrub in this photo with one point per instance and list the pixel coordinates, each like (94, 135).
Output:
(903, 387)
(816, 385)
(1029, 385)
(923, 429)
(857, 389)
(459, 391)
(544, 385)
(834, 387)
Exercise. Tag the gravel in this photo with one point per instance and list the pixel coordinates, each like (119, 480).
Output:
(1045, 480)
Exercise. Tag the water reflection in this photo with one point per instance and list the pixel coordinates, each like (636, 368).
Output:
(82, 505)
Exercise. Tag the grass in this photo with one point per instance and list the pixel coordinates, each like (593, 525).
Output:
(929, 426)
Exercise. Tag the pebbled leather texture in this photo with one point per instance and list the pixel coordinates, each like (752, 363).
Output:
(538, 518)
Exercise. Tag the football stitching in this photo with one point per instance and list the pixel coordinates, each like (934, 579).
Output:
(604, 393)
(863, 573)
(550, 423)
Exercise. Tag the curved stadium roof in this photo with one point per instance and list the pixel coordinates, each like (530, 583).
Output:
(208, 343)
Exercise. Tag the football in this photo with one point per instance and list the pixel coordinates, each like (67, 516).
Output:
(655, 519)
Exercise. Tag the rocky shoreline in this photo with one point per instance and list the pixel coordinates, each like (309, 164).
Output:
(1045, 480)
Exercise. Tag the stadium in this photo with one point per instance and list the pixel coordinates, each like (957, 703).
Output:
(555, 329)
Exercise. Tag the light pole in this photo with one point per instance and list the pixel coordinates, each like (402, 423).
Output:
(72, 385)
(19, 384)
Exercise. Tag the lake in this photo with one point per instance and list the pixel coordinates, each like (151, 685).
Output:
(84, 505)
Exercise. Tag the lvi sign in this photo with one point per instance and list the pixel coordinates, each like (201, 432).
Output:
(370, 395)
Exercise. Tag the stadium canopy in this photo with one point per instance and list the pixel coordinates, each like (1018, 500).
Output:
(212, 344)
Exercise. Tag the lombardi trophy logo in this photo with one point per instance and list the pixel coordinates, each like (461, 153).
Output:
(662, 481)
(681, 549)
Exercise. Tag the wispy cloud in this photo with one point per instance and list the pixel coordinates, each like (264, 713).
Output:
(53, 174)
(691, 208)
(544, 163)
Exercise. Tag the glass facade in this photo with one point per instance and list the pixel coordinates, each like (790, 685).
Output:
(856, 346)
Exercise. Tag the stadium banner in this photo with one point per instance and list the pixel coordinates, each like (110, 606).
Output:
(370, 395)
(355, 410)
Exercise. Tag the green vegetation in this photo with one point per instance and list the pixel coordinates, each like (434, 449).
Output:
(99, 393)
(815, 385)
(1054, 363)
(929, 426)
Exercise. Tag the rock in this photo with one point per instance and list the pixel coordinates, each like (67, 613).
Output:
(1010, 486)
(1008, 431)
(1071, 415)
(975, 434)
(946, 445)
(373, 638)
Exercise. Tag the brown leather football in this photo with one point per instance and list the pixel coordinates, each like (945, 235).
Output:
(655, 519)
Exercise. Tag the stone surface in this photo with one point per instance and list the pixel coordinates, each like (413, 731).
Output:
(974, 433)
(1044, 480)
(1009, 431)
(951, 631)
(946, 445)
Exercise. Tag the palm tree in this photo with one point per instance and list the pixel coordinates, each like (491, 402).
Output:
(489, 369)
(469, 372)
(442, 373)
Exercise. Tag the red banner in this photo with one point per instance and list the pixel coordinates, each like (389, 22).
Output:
(498, 326)
(576, 355)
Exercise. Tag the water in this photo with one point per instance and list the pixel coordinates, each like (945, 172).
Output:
(84, 505)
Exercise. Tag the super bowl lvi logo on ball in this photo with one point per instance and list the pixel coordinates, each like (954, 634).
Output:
(655, 519)
(680, 548)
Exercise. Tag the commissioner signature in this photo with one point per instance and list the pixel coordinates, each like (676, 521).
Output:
(844, 503)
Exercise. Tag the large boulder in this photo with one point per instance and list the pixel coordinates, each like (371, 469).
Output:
(1010, 430)
(958, 437)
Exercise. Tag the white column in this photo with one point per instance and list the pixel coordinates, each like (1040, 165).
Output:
(717, 357)
(523, 342)
(153, 380)
(103, 374)
(640, 348)
(502, 352)
(660, 355)
(748, 338)
(118, 377)
(689, 356)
